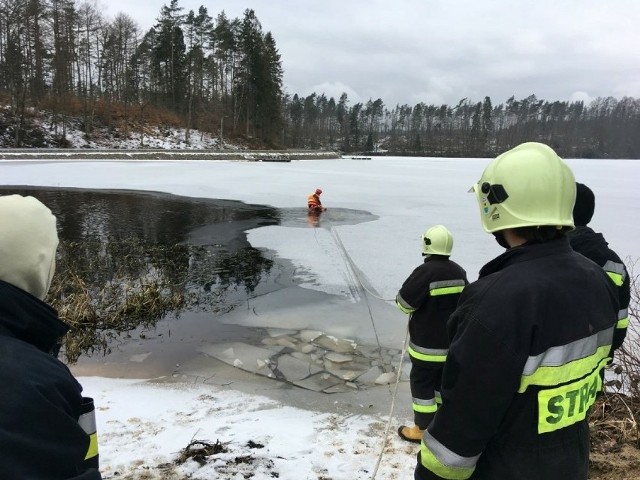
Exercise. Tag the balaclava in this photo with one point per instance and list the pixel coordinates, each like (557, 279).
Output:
(584, 206)
(28, 242)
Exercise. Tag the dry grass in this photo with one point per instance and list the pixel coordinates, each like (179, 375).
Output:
(199, 450)
(614, 421)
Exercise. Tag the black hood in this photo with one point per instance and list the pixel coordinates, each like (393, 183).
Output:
(585, 205)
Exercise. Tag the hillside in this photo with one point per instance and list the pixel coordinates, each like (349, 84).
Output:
(39, 129)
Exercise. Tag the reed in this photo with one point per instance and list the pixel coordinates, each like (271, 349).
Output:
(102, 298)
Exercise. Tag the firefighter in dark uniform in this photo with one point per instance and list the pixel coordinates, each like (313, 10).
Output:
(47, 428)
(528, 340)
(429, 295)
(594, 246)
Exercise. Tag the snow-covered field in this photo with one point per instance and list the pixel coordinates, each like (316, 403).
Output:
(143, 425)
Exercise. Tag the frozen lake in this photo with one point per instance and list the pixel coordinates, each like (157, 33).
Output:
(406, 194)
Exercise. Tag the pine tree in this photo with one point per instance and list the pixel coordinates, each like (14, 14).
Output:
(169, 56)
(269, 90)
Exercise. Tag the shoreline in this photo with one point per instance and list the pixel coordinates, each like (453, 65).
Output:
(160, 154)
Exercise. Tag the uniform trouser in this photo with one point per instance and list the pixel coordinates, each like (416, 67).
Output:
(425, 381)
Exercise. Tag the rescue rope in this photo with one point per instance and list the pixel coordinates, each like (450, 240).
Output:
(394, 394)
(385, 439)
(352, 264)
(353, 268)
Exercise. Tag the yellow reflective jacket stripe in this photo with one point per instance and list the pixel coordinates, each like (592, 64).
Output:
(569, 362)
(403, 305)
(446, 287)
(623, 318)
(617, 278)
(445, 291)
(438, 355)
(93, 446)
(88, 423)
(438, 459)
(616, 272)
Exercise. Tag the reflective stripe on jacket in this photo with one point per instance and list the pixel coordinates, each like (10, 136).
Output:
(87, 421)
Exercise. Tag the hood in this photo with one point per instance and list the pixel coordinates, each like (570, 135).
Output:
(585, 205)
(28, 242)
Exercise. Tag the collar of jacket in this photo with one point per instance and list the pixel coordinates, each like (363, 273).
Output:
(583, 236)
(433, 257)
(29, 319)
(524, 253)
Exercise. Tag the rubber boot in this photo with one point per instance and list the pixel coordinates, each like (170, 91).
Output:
(411, 434)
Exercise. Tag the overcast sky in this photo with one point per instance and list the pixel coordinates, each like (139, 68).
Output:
(441, 51)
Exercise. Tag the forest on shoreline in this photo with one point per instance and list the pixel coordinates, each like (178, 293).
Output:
(64, 60)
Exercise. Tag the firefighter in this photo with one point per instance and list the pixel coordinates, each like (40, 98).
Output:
(594, 246)
(429, 295)
(47, 428)
(529, 338)
(314, 203)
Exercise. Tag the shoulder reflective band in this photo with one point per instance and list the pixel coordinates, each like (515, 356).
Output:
(438, 459)
(446, 287)
(87, 421)
(616, 272)
(403, 305)
(424, 406)
(623, 318)
(437, 355)
(565, 363)
(563, 406)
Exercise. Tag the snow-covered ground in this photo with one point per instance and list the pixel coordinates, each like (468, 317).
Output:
(143, 425)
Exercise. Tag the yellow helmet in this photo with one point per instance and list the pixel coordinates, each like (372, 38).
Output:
(437, 241)
(529, 185)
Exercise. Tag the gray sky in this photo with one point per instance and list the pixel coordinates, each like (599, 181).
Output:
(441, 51)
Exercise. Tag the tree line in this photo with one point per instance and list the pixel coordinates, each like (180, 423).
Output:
(224, 76)
(605, 128)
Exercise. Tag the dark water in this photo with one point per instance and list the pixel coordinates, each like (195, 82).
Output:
(156, 270)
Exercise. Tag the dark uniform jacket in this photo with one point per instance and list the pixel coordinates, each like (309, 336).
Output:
(529, 339)
(593, 246)
(430, 294)
(40, 400)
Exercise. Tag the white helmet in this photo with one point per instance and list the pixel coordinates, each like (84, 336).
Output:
(437, 241)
